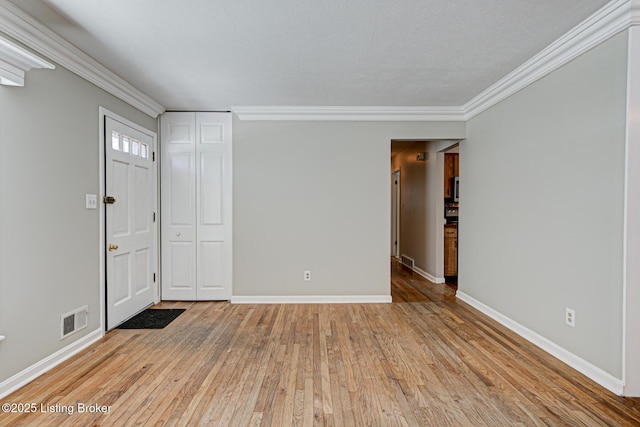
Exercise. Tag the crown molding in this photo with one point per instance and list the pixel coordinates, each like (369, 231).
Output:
(15, 61)
(610, 20)
(395, 114)
(26, 30)
(613, 18)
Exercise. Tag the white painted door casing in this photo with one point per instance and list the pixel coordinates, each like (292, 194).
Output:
(130, 232)
(196, 206)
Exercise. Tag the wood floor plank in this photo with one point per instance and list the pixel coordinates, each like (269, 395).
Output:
(424, 360)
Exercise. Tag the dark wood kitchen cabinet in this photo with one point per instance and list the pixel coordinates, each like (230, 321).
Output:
(450, 250)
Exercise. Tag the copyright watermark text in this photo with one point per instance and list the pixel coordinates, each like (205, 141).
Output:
(56, 408)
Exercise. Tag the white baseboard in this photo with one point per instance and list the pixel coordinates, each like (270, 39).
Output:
(598, 375)
(311, 299)
(34, 371)
(428, 276)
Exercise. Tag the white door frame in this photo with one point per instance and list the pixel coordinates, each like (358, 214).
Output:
(631, 273)
(102, 113)
(395, 213)
(439, 204)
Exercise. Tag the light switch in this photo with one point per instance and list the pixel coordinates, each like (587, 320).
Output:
(91, 201)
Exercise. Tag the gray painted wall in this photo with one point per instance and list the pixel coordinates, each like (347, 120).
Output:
(541, 213)
(316, 196)
(49, 258)
(413, 203)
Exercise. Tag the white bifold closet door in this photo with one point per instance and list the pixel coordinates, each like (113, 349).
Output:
(196, 206)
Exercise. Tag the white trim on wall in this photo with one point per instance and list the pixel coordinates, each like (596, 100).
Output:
(15, 61)
(631, 242)
(428, 276)
(598, 375)
(610, 20)
(34, 371)
(613, 18)
(439, 238)
(28, 31)
(311, 299)
(397, 114)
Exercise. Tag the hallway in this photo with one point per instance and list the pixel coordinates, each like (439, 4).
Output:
(407, 286)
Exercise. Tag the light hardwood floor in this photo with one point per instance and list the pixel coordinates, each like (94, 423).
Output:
(424, 360)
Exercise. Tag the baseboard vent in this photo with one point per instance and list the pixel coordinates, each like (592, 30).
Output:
(74, 321)
(406, 261)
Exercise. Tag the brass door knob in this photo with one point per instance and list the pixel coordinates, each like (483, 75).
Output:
(113, 247)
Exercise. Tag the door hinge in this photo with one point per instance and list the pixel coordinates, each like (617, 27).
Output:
(154, 277)
(153, 156)
(154, 217)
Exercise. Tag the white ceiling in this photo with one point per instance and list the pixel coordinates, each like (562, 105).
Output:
(207, 54)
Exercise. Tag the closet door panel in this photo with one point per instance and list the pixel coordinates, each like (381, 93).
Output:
(211, 271)
(213, 189)
(178, 204)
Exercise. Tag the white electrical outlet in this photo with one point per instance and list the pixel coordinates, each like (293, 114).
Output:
(570, 317)
(307, 275)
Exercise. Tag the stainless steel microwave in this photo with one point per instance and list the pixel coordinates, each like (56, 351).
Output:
(456, 188)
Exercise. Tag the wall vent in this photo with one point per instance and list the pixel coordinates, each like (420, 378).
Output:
(74, 321)
(406, 261)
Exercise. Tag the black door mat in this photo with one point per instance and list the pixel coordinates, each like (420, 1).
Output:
(152, 318)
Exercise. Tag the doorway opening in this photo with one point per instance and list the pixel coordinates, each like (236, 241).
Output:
(451, 200)
(418, 215)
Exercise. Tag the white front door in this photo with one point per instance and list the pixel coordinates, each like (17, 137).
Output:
(129, 219)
